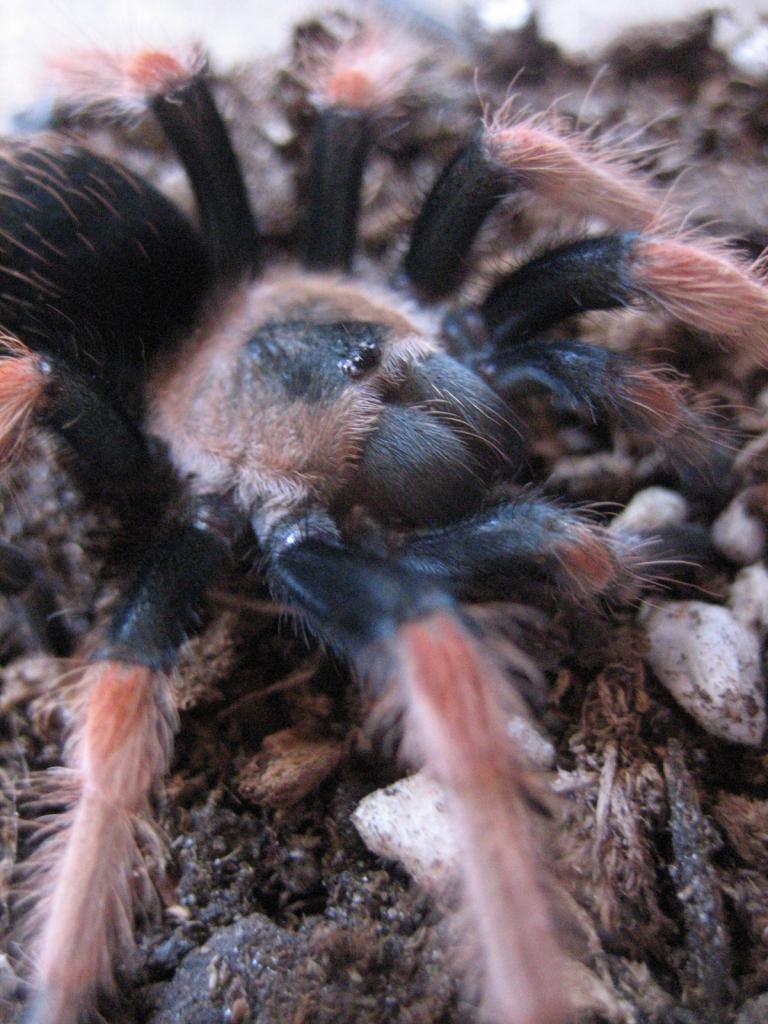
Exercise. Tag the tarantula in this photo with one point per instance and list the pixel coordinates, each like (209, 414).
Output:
(340, 427)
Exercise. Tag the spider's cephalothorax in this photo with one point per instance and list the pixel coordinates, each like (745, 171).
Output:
(280, 402)
(306, 391)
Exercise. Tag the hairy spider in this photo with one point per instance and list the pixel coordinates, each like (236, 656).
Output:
(354, 432)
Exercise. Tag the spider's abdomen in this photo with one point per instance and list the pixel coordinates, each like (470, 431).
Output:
(96, 266)
(315, 391)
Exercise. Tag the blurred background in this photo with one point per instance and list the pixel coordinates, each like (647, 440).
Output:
(235, 30)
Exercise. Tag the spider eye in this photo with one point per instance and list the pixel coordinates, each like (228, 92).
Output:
(314, 360)
(364, 356)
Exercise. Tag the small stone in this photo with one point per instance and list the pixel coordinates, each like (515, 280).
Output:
(10, 983)
(710, 663)
(214, 980)
(738, 534)
(240, 1011)
(26, 678)
(178, 913)
(750, 53)
(761, 401)
(410, 822)
(748, 598)
(651, 509)
(533, 744)
(277, 129)
(288, 767)
(593, 995)
(754, 1011)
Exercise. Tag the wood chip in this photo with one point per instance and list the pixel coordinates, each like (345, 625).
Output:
(288, 768)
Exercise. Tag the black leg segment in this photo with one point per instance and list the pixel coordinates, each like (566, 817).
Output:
(588, 275)
(340, 145)
(654, 403)
(162, 607)
(194, 127)
(514, 551)
(349, 597)
(462, 197)
(112, 455)
(579, 374)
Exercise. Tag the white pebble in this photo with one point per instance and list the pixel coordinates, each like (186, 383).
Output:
(582, 28)
(738, 534)
(710, 663)
(748, 598)
(649, 510)
(750, 53)
(532, 743)
(410, 822)
(504, 15)
(760, 402)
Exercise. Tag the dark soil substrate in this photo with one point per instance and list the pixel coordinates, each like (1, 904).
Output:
(280, 915)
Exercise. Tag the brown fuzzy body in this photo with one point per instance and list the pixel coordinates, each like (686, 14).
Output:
(232, 425)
